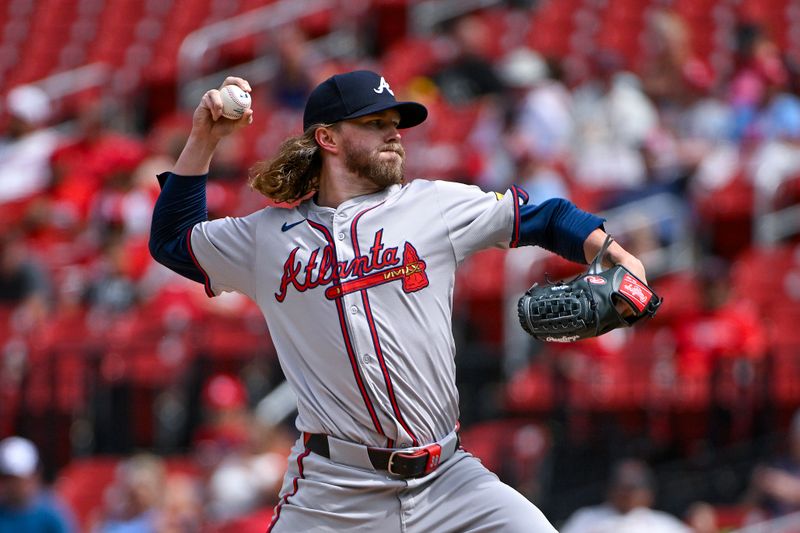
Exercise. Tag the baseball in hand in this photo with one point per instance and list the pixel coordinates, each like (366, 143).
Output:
(234, 102)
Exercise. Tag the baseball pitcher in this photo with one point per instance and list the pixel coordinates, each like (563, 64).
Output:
(356, 284)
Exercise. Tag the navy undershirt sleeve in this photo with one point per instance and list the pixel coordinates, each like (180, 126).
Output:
(557, 225)
(180, 205)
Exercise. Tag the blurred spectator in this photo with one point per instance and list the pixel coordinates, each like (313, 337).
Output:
(630, 496)
(544, 121)
(23, 505)
(775, 486)
(672, 71)
(111, 288)
(694, 120)
(82, 165)
(26, 147)
(542, 127)
(246, 481)
(23, 281)
(726, 339)
(227, 423)
(777, 157)
(295, 76)
(469, 74)
(181, 510)
(613, 119)
(760, 71)
(131, 502)
(121, 204)
(702, 518)
(245, 462)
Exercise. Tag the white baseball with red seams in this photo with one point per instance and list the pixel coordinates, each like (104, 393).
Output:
(235, 102)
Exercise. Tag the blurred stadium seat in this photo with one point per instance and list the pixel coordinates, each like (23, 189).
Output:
(481, 440)
(81, 484)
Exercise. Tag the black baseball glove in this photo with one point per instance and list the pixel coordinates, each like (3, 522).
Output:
(589, 305)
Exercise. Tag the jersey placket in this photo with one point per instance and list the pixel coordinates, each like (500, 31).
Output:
(367, 328)
(357, 325)
(324, 226)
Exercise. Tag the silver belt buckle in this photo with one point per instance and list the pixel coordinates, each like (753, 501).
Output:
(433, 451)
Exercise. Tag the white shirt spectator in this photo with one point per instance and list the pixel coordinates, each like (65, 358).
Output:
(25, 164)
(605, 519)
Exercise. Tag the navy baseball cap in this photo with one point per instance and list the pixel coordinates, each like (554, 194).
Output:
(355, 94)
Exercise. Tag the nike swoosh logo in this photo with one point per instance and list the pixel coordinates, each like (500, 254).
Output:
(287, 227)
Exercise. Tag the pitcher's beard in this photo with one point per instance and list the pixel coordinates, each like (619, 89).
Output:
(370, 165)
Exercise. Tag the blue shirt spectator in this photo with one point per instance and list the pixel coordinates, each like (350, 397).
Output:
(23, 505)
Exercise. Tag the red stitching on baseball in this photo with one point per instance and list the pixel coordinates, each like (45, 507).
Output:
(230, 92)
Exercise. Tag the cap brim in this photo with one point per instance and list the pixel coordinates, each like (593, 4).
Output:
(411, 113)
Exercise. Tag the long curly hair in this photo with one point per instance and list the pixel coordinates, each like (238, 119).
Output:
(293, 172)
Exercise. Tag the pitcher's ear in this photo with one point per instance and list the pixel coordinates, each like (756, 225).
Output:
(327, 139)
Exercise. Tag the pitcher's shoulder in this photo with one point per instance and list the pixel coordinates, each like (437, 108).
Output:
(429, 186)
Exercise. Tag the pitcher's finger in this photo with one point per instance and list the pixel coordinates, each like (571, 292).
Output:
(213, 101)
(241, 82)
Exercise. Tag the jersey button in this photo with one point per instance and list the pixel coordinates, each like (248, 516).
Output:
(367, 359)
(341, 236)
(353, 309)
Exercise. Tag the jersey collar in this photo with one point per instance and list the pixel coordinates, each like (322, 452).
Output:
(365, 200)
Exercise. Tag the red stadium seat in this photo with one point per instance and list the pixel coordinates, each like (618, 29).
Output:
(81, 484)
(727, 214)
(749, 279)
(234, 337)
(481, 440)
(71, 377)
(408, 59)
(785, 377)
(481, 291)
(783, 325)
(682, 296)
(691, 393)
(531, 390)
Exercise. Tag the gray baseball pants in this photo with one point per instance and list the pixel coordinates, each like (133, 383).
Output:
(319, 495)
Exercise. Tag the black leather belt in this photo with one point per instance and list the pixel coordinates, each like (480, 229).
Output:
(406, 463)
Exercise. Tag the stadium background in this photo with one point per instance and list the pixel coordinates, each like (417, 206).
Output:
(679, 120)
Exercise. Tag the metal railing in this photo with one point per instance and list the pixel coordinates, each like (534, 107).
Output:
(197, 44)
(263, 69)
(62, 84)
(650, 213)
(425, 16)
(74, 81)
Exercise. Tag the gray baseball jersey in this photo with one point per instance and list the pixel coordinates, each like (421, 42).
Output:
(358, 300)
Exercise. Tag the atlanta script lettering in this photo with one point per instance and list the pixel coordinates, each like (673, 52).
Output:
(323, 269)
